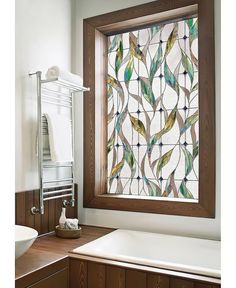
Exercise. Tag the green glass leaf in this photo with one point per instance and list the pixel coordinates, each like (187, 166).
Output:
(116, 170)
(117, 86)
(119, 57)
(195, 150)
(129, 70)
(170, 78)
(193, 32)
(171, 39)
(163, 161)
(189, 122)
(114, 43)
(134, 49)
(188, 66)
(110, 143)
(153, 140)
(154, 29)
(121, 119)
(188, 161)
(129, 156)
(146, 90)
(138, 125)
(153, 188)
(195, 87)
(189, 22)
(109, 91)
(156, 62)
(184, 191)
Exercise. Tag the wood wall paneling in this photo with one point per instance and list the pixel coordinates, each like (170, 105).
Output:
(78, 274)
(135, 279)
(45, 223)
(115, 277)
(96, 275)
(181, 283)
(58, 280)
(157, 281)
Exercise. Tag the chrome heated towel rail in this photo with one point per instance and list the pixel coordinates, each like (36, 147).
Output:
(63, 97)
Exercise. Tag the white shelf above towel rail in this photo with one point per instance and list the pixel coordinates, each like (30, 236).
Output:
(60, 92)
(66, 84)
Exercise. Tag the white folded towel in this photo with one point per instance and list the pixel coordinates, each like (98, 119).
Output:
(56, 72)
(71, 223)
(60, 137)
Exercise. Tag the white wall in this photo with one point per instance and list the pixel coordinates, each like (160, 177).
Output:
(43, 39)
(198, 227)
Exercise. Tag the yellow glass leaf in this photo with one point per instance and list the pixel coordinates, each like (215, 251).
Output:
(138, 125)
(163, 161)
(171, 39)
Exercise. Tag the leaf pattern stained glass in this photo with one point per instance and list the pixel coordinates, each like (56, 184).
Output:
(152, 115)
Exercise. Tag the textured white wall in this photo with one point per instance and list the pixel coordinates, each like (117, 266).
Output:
(198, 227)
(43, 39)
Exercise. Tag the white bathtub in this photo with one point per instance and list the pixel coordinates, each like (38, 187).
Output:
(191, 255)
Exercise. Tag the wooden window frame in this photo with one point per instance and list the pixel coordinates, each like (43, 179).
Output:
(96, 30)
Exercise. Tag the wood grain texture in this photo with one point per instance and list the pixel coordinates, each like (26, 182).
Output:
(101, 200)
(96, 275)
(45, 223)
(207, 152)
(181, 283)
(58, 280)
(89, 107)
(149, 269)
(157, 281)
(205, 285)
(135, 279)
(78, 274)
(115, 277)
(50, 264)
(137, 11)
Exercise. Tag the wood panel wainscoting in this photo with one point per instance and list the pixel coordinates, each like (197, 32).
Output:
(45, 223)
(88, 274)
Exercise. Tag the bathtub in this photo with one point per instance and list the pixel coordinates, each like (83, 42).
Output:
(191, 255)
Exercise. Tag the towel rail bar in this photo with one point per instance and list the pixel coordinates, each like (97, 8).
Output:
(56, 98)
(64, 97)
(57, 165)
(58, 93)
(58, 180)
(57, 186)
(59, 196)
(57, 191)
(58, 104)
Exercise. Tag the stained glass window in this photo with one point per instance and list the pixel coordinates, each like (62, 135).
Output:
(152, 111)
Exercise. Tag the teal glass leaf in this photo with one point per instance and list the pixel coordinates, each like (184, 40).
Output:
(170, 78)
(156, 62)
(193, 32)
(115, 42)
(146, 90)
(188, 66)
(110, 143)
(188, 161)
(189, 122)
(129, 70)
(119, 57)
(154, 29)
(184, 191)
